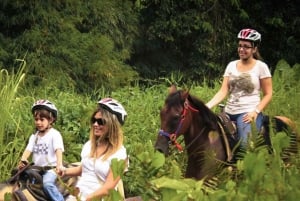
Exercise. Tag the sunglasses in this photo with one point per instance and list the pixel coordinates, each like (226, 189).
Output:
(100, 121)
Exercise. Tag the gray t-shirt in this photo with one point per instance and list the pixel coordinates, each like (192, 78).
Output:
(244, 87)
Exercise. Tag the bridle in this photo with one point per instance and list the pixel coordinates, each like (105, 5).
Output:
(173, 136)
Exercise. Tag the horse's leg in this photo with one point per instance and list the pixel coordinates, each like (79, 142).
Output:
(265, 132)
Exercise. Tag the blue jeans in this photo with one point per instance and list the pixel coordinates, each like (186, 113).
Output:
(50, 188)
(244, 129)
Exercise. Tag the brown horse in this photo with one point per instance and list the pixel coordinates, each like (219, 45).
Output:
(207, 151)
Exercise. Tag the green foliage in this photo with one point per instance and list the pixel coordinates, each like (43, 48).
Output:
(84, 45)
(179, 190)
(109, 43)
(9, 84)
(118, 167)
(258, 176)
(285, 86)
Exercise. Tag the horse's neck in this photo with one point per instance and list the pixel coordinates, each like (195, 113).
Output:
(195, 134)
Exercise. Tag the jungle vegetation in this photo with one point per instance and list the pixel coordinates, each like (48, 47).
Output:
(73, 52)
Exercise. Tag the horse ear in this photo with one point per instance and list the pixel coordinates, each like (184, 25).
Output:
(185, 94)
(172, 89)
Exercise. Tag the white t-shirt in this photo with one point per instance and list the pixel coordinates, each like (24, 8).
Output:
(43, 148)
(95, 171)
(244, 87)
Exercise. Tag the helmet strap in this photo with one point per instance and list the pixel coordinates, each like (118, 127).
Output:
(44, 131)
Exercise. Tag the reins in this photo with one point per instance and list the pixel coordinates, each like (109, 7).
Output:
(173, 136)
(17, 174)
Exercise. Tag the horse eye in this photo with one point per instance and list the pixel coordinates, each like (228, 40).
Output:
(176, 117)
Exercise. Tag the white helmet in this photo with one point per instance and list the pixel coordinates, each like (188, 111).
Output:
(45, 104)
(114, 107)
(250, 35)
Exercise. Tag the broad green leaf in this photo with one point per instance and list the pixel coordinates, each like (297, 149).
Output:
(158, 160)
(165, 182)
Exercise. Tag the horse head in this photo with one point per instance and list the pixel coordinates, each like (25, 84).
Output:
(184, 114)
(176, 117)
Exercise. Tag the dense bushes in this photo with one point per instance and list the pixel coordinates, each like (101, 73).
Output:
(260, 176)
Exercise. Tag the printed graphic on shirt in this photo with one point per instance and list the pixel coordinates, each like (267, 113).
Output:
(240, 86)
(41, 149)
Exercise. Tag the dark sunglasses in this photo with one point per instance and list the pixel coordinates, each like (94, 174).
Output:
(100, 121)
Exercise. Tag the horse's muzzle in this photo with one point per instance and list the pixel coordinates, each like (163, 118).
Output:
(162, 145)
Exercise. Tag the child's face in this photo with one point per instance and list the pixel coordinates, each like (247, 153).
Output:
(41, 123)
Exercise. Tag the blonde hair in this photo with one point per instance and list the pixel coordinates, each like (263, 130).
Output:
(113, 137)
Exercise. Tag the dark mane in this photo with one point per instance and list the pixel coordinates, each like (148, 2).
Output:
(209, 117)
(178, 98)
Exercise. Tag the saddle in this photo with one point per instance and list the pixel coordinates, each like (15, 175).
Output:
(228, 125)
(29, 184)
(230, 135)
(229, 132)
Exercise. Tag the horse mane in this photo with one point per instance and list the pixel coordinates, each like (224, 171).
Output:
(178, 98)
(209, 118)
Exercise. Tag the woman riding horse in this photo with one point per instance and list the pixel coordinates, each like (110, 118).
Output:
(204, 134)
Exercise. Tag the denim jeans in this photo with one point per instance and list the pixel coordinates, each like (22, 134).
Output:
(50, 188)
(244, 129)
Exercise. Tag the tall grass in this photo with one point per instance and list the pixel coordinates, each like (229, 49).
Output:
(9, 84)
(286, 92)
(141, 127)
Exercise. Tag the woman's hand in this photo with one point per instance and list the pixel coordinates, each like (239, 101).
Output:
(249, 117)
(61, 171)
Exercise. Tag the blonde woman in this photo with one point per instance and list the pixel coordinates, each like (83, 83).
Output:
(105, 144)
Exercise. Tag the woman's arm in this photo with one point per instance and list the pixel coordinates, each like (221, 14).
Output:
(72, 171)
(220, 95)
(267, 89)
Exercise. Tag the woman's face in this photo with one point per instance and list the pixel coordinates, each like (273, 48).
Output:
(245, 49)
(99, 125)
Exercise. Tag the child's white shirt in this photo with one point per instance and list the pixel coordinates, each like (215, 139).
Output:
(43, 148)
